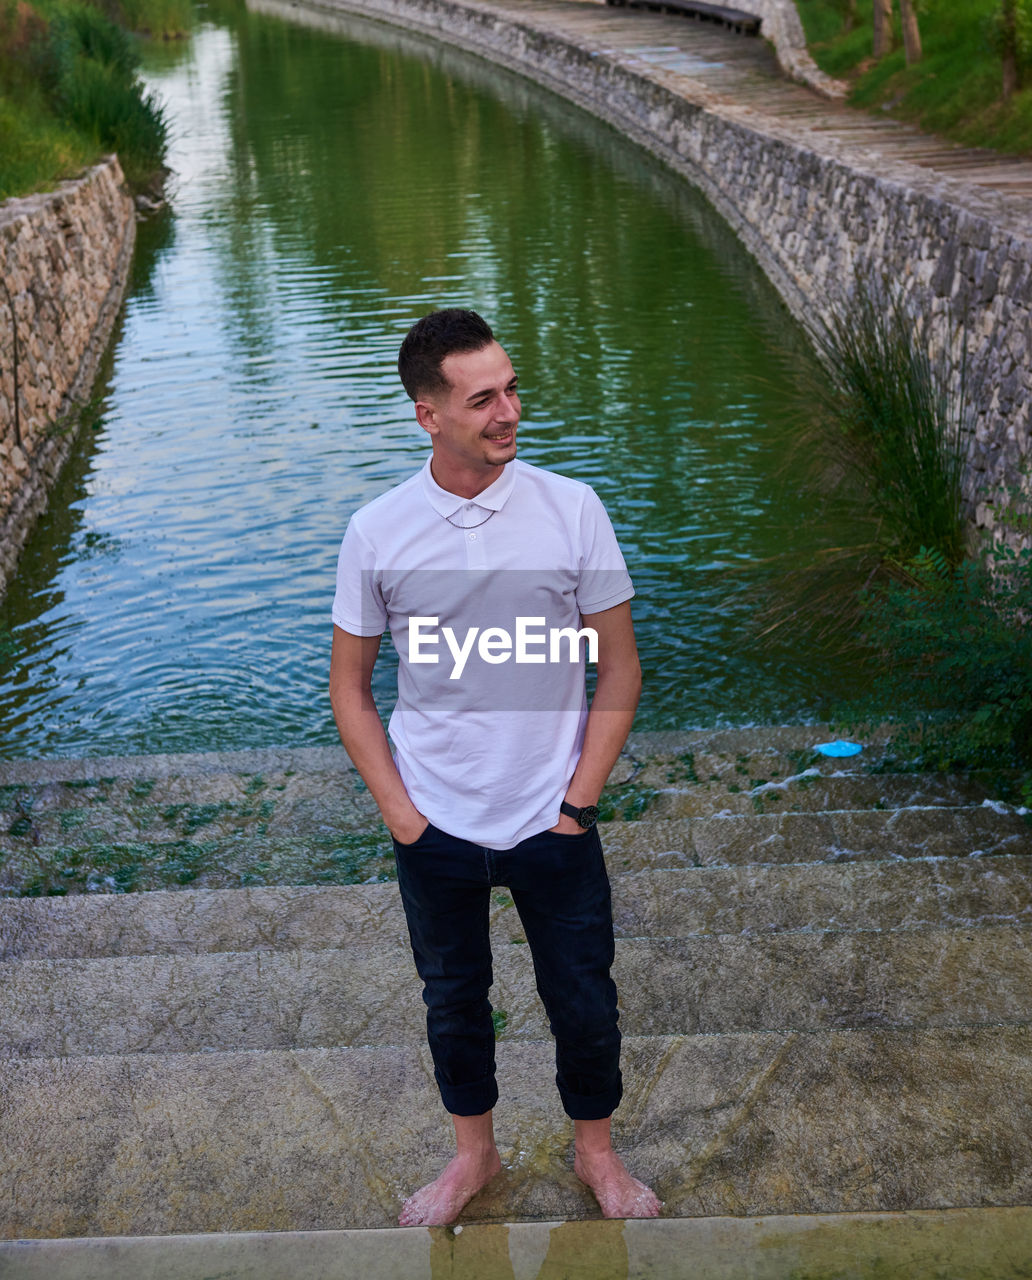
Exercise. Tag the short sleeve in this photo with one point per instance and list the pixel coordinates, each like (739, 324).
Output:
(604, 580)
(358, 605)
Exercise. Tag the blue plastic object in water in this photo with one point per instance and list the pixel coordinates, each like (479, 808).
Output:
(838, 748)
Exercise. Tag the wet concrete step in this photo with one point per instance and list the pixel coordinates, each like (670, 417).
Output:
(315, 793)
(836, 836)
(220, 804)
(922, 1244)
(812, 791)
(321, 1139)
(682, 902)
(370, 995)
(795, 742)
(352, 856)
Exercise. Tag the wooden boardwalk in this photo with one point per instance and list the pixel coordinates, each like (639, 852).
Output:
(707, 62)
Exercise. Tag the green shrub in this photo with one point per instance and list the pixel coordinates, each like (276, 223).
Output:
(79, 32)
(955, 659)
(105, 103)
(996, 29)
(69, 89)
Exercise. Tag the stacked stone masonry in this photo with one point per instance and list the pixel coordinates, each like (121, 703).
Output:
(814, 213)
(64, 261)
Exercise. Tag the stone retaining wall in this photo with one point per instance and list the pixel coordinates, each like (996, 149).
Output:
(64, 261)
(813, 211)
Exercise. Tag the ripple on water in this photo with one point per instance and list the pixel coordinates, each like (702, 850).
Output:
(327, 193)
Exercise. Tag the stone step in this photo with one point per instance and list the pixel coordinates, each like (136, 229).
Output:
(217, 805)
(794, 742)
(747, 771)
(76, 803)
(370, 995)
(356, 856)
(813, 898)
(837, 836)
(920, 1244)
(322, 1139)
(812, 791)
(681, 902)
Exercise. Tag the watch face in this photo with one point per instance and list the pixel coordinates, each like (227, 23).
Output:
(588, 816)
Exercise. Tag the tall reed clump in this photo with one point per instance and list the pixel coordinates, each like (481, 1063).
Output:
(890, 426)
(95, 86)
(69, 87)
(945, 633)
(882, 440)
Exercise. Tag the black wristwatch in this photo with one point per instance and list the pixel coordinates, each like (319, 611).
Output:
(587, 817)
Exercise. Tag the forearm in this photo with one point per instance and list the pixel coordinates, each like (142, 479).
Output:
(609, 722)
(365, 741)
(362, 733)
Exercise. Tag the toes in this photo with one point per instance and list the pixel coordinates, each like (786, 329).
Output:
(411, 1215)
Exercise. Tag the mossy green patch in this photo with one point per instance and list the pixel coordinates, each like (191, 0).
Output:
(683, 768)
(627, 802)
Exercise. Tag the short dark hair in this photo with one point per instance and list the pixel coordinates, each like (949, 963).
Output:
(431, 340)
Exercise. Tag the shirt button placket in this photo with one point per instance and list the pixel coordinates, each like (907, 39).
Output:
(476, 557)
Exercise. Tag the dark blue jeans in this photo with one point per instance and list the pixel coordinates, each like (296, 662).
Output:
(561, 891)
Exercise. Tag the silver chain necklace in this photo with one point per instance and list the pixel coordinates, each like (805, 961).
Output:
(470, 526)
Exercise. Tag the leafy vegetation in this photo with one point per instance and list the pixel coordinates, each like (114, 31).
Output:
(883, 432)
(944, 632)
(69, 92)
(891, 426)
(955, 660)
(958, 86)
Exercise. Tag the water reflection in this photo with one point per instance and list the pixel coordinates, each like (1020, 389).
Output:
(330, 189)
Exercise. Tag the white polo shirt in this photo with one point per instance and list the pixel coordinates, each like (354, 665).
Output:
(487, 728)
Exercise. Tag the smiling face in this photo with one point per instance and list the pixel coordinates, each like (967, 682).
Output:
(472, 423)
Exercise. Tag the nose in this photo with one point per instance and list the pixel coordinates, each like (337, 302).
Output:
(507, 408)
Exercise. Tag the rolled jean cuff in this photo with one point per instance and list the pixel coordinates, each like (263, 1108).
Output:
(468, 1099)
(594, 1106)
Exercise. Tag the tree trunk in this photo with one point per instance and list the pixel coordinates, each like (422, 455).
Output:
(882, 28)
(911, 32)
(850, 21)
(1011, 76)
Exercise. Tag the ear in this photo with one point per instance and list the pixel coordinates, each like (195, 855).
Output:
(426, 416)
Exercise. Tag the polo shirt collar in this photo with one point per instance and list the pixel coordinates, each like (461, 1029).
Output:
(493, 498)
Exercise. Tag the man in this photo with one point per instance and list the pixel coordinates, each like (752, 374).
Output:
(498, 763)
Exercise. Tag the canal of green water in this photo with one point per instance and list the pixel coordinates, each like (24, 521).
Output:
(330, 188)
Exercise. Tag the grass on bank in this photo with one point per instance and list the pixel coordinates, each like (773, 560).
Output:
(36, 150)
(955, 90)
(69, 91)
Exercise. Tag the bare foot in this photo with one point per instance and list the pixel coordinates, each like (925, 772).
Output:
(442, 1200)
(618, 1194)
